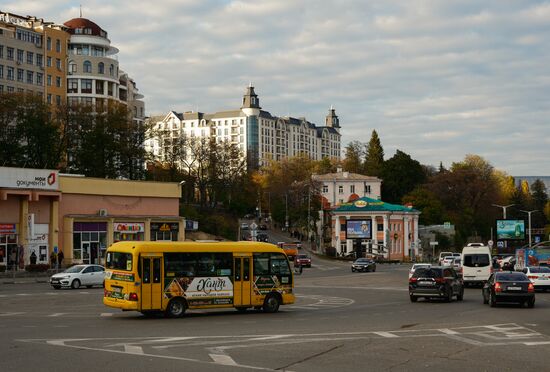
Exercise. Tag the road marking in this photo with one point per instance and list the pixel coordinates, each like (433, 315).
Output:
(107, 314)
(223, 359)
(537, 343)
(385, 334)
(448, 331)
(132, 349)
(10, 314)
(22, 294)
(57, 314)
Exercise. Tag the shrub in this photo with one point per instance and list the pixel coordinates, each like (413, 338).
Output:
(330, 251)
(37, 268)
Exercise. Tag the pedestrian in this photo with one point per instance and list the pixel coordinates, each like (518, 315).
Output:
(13, 258)
(33, 258)
(53, 259)
(60, 257)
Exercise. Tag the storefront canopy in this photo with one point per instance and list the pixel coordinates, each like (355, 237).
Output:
(372, 205)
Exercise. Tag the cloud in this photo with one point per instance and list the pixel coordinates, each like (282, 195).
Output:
(436, 79)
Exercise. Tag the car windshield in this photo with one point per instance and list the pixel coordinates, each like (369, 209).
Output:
(476, 260)
(539, 270)
(75, 269)
(417, 266)
(427, 273)
(302, 256)
(511, 277)
(363, 260)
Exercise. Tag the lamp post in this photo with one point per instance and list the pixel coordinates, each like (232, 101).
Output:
(529, 214)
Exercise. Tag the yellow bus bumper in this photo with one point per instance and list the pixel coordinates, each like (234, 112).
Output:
(120, 304)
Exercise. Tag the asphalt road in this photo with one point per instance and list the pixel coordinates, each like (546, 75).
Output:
(341, 321)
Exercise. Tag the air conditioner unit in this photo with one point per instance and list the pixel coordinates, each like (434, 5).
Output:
(103, 212)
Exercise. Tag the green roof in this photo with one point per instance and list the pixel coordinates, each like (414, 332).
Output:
(372, 205)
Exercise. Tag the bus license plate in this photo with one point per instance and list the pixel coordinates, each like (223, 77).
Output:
(117, 290)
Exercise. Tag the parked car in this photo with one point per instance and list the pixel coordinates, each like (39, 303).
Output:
(436, 282)
(302, 260)
(539, 276)
(508, 286)
(262, 237)
(448, 261)
(79, 275)
(263, 226)
(416, 266)
(442, 256)
(363, 264)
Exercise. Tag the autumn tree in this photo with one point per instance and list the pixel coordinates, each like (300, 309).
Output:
(353, 160)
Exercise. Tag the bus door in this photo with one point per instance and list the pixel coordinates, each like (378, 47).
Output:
(151, 282)
(241, 281)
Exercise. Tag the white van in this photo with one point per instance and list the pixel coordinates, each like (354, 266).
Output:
(476, 264)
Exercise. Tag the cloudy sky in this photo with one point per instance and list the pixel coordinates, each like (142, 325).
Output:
(436, 79)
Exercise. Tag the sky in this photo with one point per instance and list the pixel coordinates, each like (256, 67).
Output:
(436, 79)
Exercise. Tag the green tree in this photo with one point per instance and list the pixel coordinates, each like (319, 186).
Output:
(353, 159)
(400, 175)
(428, 203)
(539, 197)
(374, 160)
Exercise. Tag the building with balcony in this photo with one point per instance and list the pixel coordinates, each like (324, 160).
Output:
(261, 136)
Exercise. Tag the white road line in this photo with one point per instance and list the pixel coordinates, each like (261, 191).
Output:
(132, 349)
(22, 294)
(448, 331)
(10, 314)
(223, 359)
(57, 314)
(106, 314)
(386, 334)
(537, 343)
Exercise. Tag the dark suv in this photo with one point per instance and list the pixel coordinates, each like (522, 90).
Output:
(436, 282)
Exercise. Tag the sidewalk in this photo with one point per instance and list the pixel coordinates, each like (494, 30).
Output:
(24, 277)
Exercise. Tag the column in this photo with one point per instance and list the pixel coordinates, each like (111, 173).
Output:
(415, 235)
(406, 241)
(386, 236)
(147, 232)
(336, 220)
(110, 232)
(67, 235)
(23, 230)
(181, 229)
(53, 233)
(374, 239)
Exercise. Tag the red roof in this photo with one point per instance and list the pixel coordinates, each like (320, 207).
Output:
(84, 23)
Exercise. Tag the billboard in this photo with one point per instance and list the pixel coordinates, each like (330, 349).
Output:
(26, 178)
(510, 230)
(359, 229)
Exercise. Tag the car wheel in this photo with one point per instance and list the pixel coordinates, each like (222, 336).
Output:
(531, 303)
(271, 303)
(176, 308)
(56, 286)
(75, 284)
(460, 296)
(492, 299)
(374, 269)
(352, 270)
(413, 298)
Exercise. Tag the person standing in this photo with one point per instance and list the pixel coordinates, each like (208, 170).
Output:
(53, 259)
(60, 257)
(33, 258)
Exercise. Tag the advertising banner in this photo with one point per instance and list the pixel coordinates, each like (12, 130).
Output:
(23, 178)
(359, 229)
(510, 230)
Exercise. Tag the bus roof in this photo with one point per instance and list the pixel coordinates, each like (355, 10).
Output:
(243, 246)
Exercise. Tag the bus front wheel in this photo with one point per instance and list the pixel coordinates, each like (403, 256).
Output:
(271, 303)
(176, 308)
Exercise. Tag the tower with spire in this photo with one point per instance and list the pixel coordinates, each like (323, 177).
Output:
(331, 120)
(251, 102)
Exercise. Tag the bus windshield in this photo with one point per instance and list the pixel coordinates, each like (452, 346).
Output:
(119, 261)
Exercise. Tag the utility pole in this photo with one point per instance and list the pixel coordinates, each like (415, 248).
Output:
(529, 214)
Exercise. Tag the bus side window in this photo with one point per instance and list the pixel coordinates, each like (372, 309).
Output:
(246, 269)
(156, 270)
(146, 277)
(261, 263)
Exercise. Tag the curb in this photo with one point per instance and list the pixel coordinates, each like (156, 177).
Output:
(25, 282)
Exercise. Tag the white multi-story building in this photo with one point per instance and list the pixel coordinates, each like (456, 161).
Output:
(261, 136)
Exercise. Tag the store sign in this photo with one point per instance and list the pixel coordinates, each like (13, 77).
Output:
(21, 178)
(164, 227)
(129, 227)
(6, 18)
(7, 228)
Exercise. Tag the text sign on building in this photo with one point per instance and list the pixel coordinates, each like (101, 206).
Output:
(21, 178)
(7, 228)
(129, 227)
(7, 18)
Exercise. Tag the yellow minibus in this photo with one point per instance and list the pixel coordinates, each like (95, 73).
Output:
(171, 277)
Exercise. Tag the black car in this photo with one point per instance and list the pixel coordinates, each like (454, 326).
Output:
(508, 287)
(363, 264)
(262, 237)
(436, 282)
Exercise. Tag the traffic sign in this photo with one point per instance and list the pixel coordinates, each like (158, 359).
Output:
(434, 243)
(490, 243)
(253, 226)
(500, 244)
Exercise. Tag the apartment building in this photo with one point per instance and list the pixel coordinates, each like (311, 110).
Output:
(261, 136)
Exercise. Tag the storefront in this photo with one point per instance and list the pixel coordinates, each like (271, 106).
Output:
(8, 244)
(89, 242)
(125, 231)
(164, 231)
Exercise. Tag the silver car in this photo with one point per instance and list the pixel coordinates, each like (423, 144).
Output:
(79, 275)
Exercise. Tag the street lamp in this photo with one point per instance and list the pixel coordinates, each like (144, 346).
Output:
(529, 214)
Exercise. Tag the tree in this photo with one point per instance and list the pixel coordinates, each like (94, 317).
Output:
(374, 160)
(400, 175)
(353, 158)
(428, 203)
(539, 197)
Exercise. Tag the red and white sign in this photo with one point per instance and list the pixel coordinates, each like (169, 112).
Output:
(7, 228)
(129, 227)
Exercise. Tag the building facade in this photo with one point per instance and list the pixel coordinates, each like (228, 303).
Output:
(261, 136)
(43, 211)
(342, 187)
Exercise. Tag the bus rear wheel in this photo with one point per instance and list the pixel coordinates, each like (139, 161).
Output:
(271, 303)
(176, 308)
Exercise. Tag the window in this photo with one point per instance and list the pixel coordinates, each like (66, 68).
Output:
(58, 45)
(20, 55)
(119, 261)
(87, 66)
(99, 87)
(325, 189)
(30, 58)
(367, 189)
(49, 80)
(111, 70)
(72, 67)
(101, 68)
(58, 81)
(72, 86)
(380, 227)
(1, 71)
(49, 43)
(476, 260)
(352, 188)
(39, 59)
(39, 78)
(20, 74)
(49, 62)
(1, 51)
(58, 63)
(10, 54)
(340, 189)
(30, 77)
(49, 100)
(86, 86)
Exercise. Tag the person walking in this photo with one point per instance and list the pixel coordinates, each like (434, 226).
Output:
(60, 257)
(53, 259)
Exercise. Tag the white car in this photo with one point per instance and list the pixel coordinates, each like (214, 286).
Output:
(416, 266)
(539, 276)
(79, 275)
(448, 261)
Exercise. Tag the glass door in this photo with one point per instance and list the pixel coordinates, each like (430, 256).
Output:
(241, 281)
(86, 253)
(151, 283)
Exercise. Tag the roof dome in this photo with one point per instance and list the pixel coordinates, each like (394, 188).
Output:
(83, 26)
